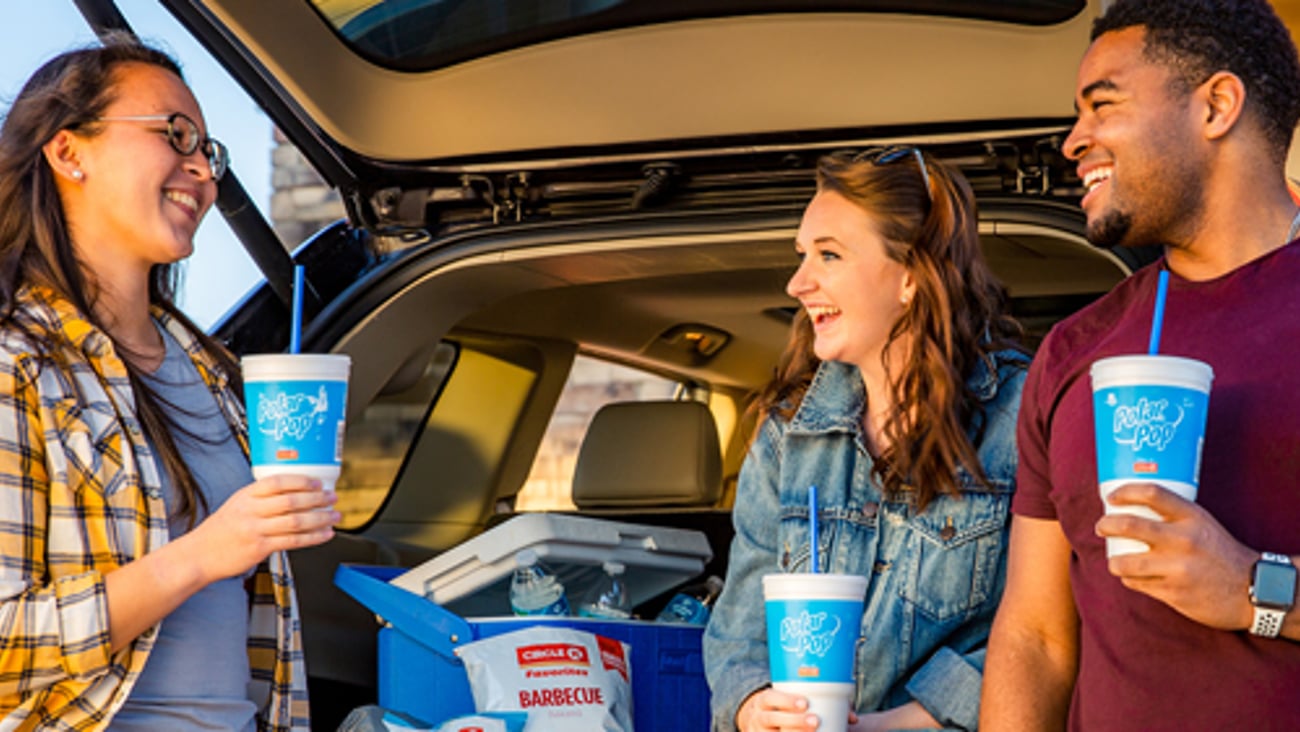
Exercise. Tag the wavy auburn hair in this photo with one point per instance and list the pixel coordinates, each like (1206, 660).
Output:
(70, 92)
(956, 319)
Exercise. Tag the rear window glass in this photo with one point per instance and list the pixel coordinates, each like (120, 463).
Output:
(418, 35)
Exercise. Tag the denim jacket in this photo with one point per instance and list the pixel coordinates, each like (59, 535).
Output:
(934, 578)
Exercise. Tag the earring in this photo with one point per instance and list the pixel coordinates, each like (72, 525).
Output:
(78, 175)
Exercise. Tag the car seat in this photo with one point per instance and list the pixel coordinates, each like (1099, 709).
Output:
(658, 463)
(649, 455)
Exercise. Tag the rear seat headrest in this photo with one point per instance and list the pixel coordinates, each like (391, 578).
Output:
(661, 453)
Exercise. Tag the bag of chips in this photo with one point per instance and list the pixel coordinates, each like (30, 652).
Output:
(565, 679)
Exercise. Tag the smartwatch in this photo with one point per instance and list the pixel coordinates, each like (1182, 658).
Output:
(1272, 592)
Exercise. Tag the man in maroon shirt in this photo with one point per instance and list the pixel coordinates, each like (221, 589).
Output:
(1186, 110)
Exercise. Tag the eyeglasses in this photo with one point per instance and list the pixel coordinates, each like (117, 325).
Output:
(894, 153)
(183, 135)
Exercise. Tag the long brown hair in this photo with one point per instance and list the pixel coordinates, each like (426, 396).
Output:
(70, 92)
(956, 319)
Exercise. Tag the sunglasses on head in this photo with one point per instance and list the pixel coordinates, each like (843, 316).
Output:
(894, 153)
(183, 135)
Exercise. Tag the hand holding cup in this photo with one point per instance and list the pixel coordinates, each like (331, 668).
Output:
(279, 513)
(1194, 565)
(813, 622)
(1149, 414)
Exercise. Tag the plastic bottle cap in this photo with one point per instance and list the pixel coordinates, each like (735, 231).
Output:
(526, 558)
(612, 567)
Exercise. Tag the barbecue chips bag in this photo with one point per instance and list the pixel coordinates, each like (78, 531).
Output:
(566, 680)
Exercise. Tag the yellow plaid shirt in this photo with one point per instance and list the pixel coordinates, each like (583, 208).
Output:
(80, 495)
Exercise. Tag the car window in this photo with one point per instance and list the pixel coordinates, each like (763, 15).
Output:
(377, 440)
(418, 35)
(592, 384)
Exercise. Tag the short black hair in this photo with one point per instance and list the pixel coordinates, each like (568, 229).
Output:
(1197, 38)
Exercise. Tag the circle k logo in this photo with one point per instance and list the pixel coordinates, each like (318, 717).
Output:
(549, 654)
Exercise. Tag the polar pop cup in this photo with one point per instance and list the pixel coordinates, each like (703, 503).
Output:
(296, 405)
(1149, 413)
(812, 635)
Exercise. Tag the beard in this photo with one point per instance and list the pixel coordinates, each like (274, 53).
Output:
(1168, 214)
(1110, 230)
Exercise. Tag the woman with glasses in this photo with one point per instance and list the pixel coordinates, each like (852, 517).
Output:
(143, 579)
(895, 403)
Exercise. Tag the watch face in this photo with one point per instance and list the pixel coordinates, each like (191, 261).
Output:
(1274, 586)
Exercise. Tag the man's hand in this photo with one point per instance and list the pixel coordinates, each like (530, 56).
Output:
(1195, 566)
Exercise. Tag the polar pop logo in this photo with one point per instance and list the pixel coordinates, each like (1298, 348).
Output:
(290, 414)
(809, 633)
(1149, 422)
(549, 654)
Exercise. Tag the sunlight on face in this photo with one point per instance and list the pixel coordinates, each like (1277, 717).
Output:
(852, 290)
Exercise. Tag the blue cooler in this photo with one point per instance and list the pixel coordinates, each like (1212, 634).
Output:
(420, 675)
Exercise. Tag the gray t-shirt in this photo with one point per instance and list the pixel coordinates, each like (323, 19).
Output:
(197, 675)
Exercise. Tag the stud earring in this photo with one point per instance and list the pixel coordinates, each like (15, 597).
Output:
(78, 175)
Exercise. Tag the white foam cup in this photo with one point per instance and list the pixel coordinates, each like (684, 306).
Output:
(1149, 415)
(296, 405)
(813, 622)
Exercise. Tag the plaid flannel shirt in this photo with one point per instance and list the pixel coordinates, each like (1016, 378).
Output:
(80, 495)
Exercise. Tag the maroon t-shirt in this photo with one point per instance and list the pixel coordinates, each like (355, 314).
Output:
(1142, 665)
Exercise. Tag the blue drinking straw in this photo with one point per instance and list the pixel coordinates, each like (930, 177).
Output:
(295, 324)
(1158, 316)
(812, 532)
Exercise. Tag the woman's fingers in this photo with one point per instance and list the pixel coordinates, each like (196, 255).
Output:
(285, 484)
(300, 521)
(776, 710)
(303, 505)
(285, 494)
(300, 539)
(278, 513)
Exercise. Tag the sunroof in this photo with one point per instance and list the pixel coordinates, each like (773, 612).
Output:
(419, 35)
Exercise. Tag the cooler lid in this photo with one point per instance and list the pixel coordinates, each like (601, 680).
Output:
(473, 578)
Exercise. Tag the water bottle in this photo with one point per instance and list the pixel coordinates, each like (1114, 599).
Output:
(534, 590)
(692, 604)
(608, 599)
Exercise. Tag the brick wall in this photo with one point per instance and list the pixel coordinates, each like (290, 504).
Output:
(301, 202)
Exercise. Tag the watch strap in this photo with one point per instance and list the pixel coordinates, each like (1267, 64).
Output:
(1268, 623)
